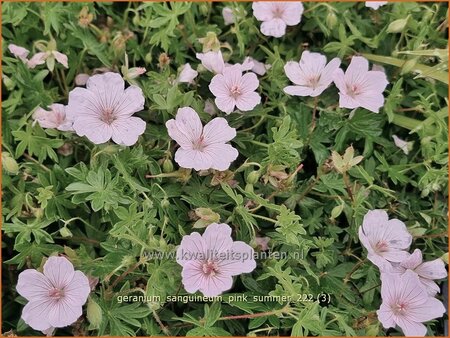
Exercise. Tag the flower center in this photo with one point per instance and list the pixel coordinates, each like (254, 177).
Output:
(399, 309)
(108, 116)
(313, 81)
(198, 144)
(56, 294)
(278, 13)
(235, 91)
(353, 90)
(381, 246)
(210, 268)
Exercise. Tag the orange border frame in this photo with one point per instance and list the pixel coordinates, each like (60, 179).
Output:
(1, 84)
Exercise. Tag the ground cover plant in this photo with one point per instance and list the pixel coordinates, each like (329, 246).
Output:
(224, 168)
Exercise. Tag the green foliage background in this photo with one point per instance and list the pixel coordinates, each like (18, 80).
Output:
(98, 207)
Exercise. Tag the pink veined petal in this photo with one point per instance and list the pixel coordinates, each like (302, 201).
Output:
(191, 248)
(413, 260)
(82, 103)
(240, 260)
(218, 86)
(187, 74)
(212, 61)
(59, 271)
(386, 316)
(295, 73)
(371, 101)
(374, 222)
(108, 82)
(217, 237)
(375, 81)
(249, 82)
(193, 159)
(81, 79)
(382, 264)
(225, 103)
(129, 102)
(37, 59)
(215, 285)
(357, 70)
(410, 328)
(248, 101)
(61, 58)
(221, 155)
(19, 52)
(364, 239)
(33, 285)
(126, 131)
(430, 287)
(389, 284)
(410, 290)
(247, 64)
(327, 73)
(318, 90)
(218, 131)
(274, 27)
(263, 11)
(228, 16)
(63, 313)
(339, 80)
(394, 255)
(192, 276)
(434, 269)
(233, 76)
(94, 129)
(312, 64)
(186, 129)
(35, 314)
(346, 101)
(298, 90)
(292, 13)
(397, 234)
(46, 119)
(78, 290)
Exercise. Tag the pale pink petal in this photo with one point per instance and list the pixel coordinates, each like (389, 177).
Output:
(126, 131)
(248, 101)
(432, 270)
(33, 285)
(59, 270)
(95, 130)
(228, 16)
(187, 74)
(221, 155)
(128, 102)
(107, 85)
(395, 255)
(298, 90)
(410, 328)
(375, 4)
(274, 27)
(218, 131)
(431, 287)
(217, 237)
(61, 58)
(292, 13)
(212, 61)
(225, 104)
(295, 73)
(258, 67)
(218, 87)
(248, 64)
(77, 292)
(191, 248)
(397, 234)
(328, 72)
(215, 285)
(19, 52)
(262, 11)
(37, 59)
(193, 159)
(409, 289)
(63, 313)
(386, 316)
(371, 101)
(381, 262)
(232, 76)
(413, 260)
(374, 221)
(346, 101)
(249, 82)
(339, 80)
(81, 79)
(374, 81)
(35, 314)
(186, 128)
(192, 276)
(357, 69)
(241, 260)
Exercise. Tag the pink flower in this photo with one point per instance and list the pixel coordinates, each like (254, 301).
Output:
(55, 297)
(375, 4)
(276, 16)
(104, 109)
(359, 87)
(187, 74)
(311, 74)
(54, 119)
(212, 61)
(210, 260)
(232, 89)
(19, 52)
(41, 57)
(385, 240)
(255, 66)
(406, 304)
(228, 16)
(427, 271)
(201, 147)
(135, 72)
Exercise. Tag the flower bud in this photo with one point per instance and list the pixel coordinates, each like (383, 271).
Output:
(331, 20)
(167, 166)
(397, 26)
(165, 203)
(65, 232)
(94, 314)
(9, 164)
(253, 177)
